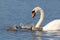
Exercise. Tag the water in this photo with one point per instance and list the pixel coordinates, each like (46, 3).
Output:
(19, 11)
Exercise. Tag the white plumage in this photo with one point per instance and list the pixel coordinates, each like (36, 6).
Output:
(53, 25)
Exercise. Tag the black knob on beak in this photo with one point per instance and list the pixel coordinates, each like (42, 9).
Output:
(33, 14)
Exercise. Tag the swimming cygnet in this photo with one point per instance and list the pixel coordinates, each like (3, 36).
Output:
(12, 28)
(27, 27)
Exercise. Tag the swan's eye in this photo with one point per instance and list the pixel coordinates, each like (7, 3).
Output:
(33, 14)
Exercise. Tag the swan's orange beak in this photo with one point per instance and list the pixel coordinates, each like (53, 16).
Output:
(33, 14)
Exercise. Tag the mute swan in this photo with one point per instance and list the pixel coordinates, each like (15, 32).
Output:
(53, 25)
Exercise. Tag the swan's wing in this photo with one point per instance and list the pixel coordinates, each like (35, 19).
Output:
(53, 25)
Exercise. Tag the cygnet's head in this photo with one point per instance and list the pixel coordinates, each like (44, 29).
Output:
(21, 24)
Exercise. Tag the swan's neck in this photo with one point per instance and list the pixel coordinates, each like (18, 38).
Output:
(41, 18)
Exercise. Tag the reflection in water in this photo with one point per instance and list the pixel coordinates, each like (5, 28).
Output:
(37, 35)
(51, 35)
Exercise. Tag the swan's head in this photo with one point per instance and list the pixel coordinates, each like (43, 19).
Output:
(34, 11)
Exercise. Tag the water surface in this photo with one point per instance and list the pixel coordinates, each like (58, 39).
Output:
(14, 12)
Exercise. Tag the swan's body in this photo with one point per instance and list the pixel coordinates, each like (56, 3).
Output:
(53, 25)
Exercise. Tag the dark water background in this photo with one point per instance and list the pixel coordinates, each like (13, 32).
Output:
(19, 11)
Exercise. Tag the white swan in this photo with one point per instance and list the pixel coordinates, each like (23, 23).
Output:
(53, 25)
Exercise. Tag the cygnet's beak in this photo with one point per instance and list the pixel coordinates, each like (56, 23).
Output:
(33, 14)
